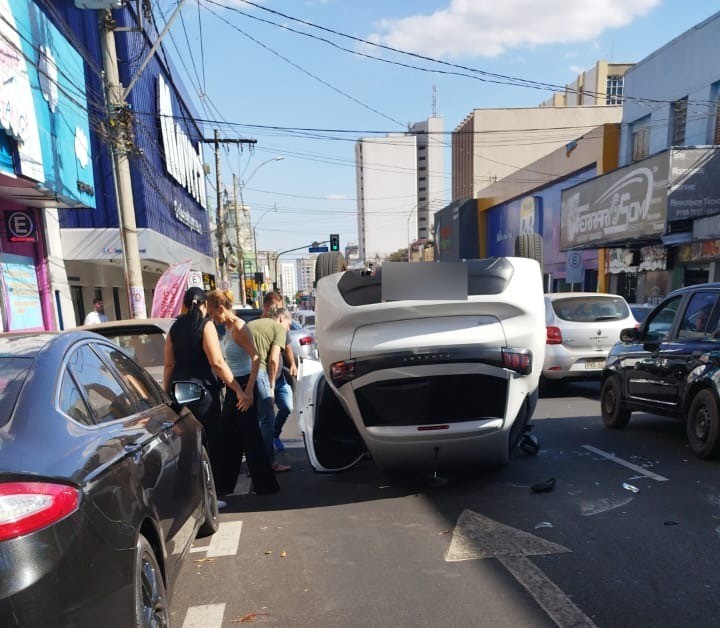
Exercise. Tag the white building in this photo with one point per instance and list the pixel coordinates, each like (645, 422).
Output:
(288, 279)
(305, 267)
(399, 188)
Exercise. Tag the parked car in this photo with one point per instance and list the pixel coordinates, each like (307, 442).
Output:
(306, 318)
(669, 366)
(104, 483)
(143, 338)
(641, 310)
(581, 328)
(301, 340)
(418, 381)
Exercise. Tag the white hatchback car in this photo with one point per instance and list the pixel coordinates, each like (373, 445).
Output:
(582, 327)
(424, 364)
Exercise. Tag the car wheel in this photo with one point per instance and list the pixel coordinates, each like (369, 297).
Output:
(329, 263)
(211, 523)
(613, 410)
(151, 603)
(703, 425)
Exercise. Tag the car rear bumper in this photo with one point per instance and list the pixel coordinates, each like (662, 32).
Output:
(66, 575)
(561, 363)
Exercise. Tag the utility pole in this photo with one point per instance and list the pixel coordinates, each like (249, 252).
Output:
(220, 226)
(121, 140)
(240, 249)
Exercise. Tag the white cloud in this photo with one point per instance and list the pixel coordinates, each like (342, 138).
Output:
(484, 28)
(336, 197)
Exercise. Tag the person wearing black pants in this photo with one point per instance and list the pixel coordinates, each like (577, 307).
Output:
(239, 428)
(193, 352)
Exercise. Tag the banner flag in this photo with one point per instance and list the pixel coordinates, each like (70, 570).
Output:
(170, 290)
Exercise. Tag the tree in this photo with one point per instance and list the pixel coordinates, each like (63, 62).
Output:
(401, 255)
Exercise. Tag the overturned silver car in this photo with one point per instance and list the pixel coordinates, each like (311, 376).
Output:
(423, 365)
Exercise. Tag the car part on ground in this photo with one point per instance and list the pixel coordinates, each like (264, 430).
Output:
(421, 382)
(670, 365)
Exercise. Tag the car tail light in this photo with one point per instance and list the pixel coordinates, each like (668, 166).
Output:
(519, 360)
(554, 336)
(342, 372)
(305, 340)
(29, 506)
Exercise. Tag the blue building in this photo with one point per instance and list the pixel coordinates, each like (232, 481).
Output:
(167, 169)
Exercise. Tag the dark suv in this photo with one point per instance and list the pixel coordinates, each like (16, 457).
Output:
(670, 365)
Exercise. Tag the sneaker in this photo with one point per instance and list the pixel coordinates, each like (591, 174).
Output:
(221, 504)
(281, 468)
(278, 444)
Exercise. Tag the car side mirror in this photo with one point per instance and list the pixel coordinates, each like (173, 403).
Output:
(629, 334)
(185, 392)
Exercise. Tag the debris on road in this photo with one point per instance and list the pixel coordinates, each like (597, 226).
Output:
(543, 524)
(630, 487)
(543, 487)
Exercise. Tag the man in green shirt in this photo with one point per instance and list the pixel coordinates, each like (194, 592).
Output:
(269, 337)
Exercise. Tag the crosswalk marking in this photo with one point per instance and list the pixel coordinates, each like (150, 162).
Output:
(208, 616)
(226, 540)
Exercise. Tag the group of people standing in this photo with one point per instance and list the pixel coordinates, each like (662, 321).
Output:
(248, 362)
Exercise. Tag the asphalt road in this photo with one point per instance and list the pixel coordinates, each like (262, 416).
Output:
(628, 536)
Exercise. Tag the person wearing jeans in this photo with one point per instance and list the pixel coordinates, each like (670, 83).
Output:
(269, 336)
(283, 389)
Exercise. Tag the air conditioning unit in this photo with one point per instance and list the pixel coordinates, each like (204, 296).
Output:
(99, 4)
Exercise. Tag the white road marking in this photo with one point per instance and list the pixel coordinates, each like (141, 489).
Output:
(226, 540)
(476, 536)
(209, 616)
(625, 463)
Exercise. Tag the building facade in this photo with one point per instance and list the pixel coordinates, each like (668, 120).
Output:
(168, 176)
(603, 84)
(46, 163)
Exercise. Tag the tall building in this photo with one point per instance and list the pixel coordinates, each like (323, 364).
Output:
(399, 188)
(305, 273)
(603, 84)
(288, 279)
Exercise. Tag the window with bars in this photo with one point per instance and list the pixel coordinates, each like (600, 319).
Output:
(679, 119)
(614, 89)
(640, 143)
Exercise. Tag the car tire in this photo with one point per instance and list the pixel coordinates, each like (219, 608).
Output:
(613, 410)
(151, 600)
(530, 245)
(211, 521)
(329, 263)
(703, 425)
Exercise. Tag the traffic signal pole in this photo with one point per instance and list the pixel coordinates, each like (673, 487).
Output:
(299, 248)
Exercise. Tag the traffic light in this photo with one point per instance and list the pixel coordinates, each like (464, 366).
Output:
(334, 242)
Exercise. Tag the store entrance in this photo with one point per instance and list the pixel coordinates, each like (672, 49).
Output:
(694, 275)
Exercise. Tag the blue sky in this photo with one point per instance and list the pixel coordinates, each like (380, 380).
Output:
(264, 81)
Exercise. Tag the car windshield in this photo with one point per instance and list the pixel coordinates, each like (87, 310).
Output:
(13, 372)
(308, 320)
(590, 309)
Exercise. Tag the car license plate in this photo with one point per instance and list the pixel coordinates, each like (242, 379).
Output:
(594, 364)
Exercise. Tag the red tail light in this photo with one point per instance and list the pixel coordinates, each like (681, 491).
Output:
(554, 336)
(519, 360)
(29, 506)
(342, 372)
(306, 340)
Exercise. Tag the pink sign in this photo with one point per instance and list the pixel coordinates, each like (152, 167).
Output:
(169, 291)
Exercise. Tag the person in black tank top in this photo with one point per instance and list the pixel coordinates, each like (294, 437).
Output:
(192, 351)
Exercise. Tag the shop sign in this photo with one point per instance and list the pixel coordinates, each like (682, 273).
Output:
(22, 308)
(182, 160)
(19, 226)
(694, 192)
(625, 204)
(186, 218)
(699, 251)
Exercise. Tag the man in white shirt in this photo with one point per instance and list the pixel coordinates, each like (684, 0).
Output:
(98, 313)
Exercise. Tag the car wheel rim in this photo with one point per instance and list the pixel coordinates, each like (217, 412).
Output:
(610, 401)
(154, 610)
(702, 423)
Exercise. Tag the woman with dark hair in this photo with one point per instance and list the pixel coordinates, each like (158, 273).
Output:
(193, 352)
(240, 431)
